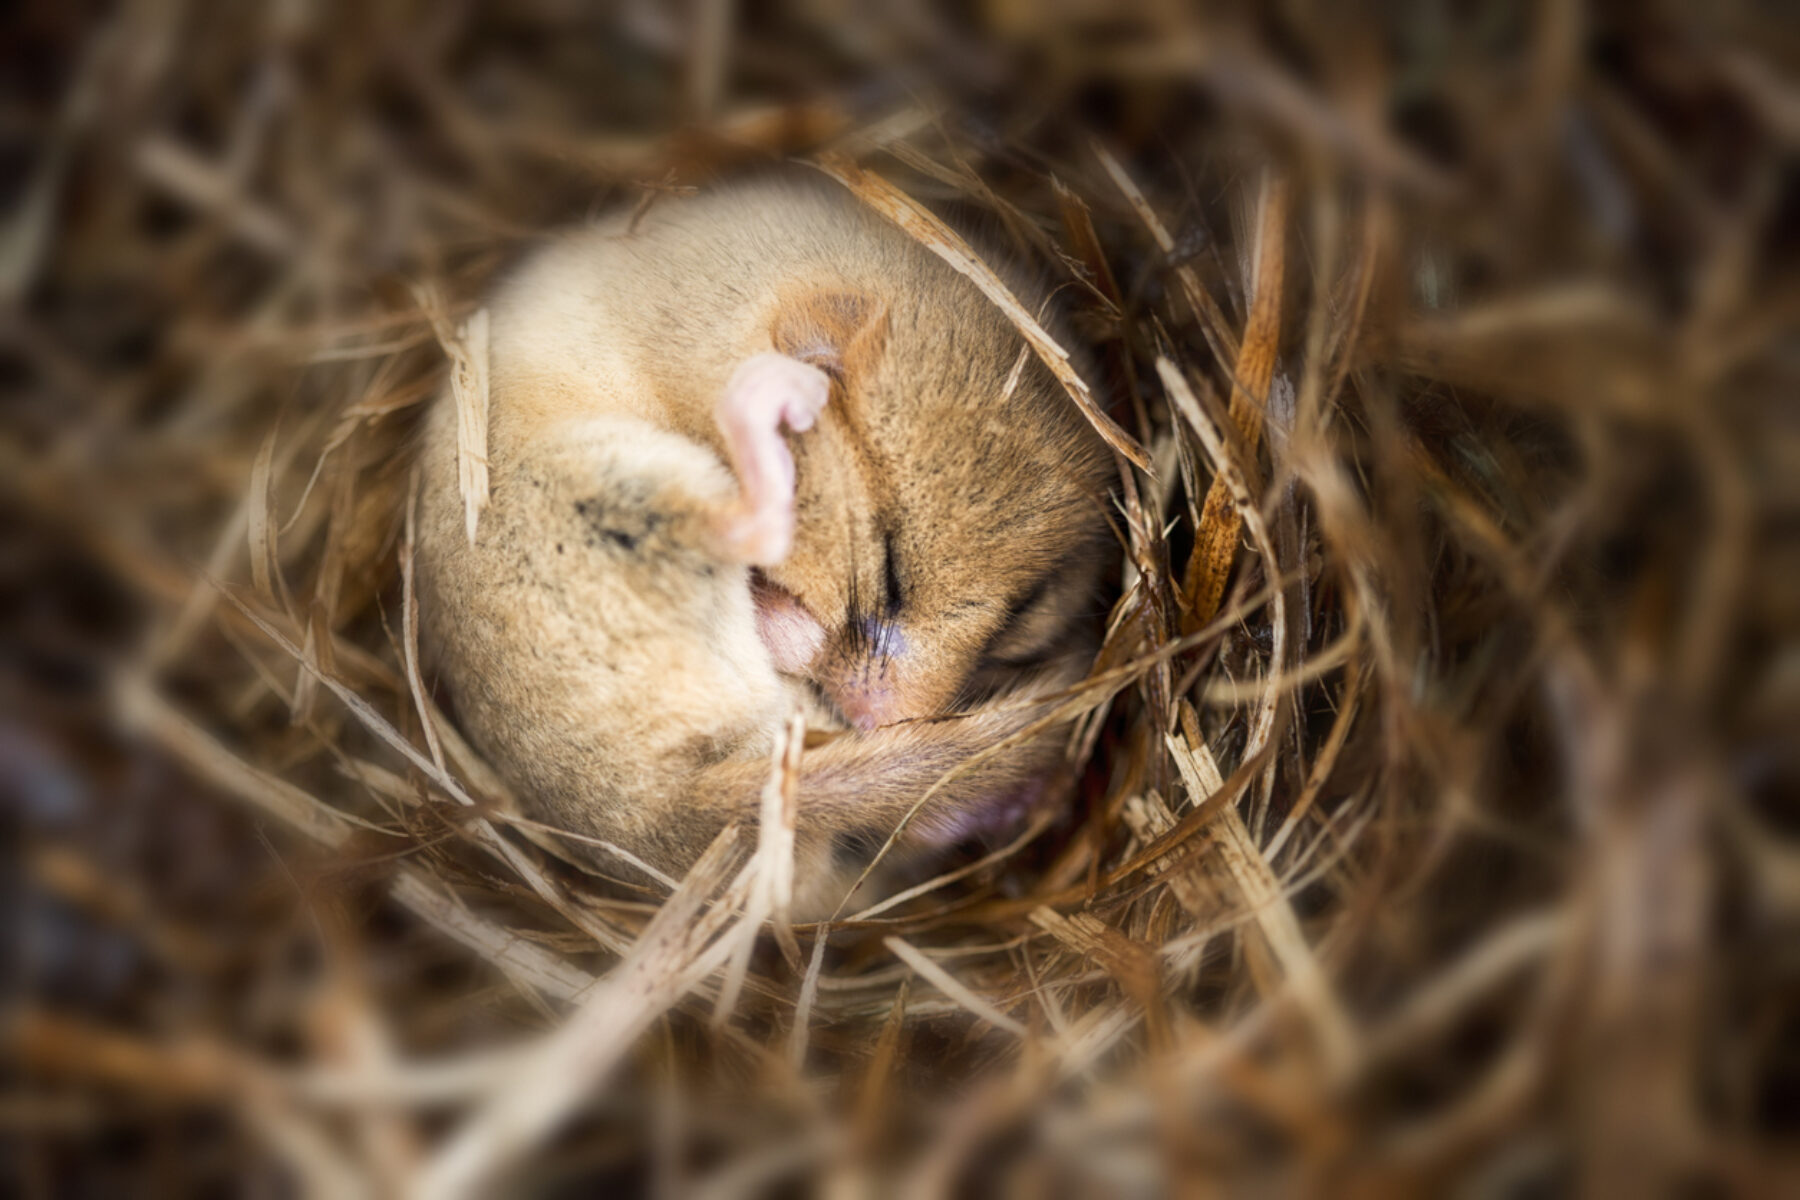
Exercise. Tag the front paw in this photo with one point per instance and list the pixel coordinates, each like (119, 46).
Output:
(765, 393)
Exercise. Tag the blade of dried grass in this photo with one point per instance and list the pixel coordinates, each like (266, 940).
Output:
(316, 651)
(930, 232)
(1025, 234)
(1150, 819)
(1092, 1035)
(1436, 1002)
(809, 991)
(772, 866)
(1263, 894)
(880, 978)
(566, 1064)
(1037, 826)
(409, 623)
(952, 987)
(372, 350)
(872, 1096)
(1046, 997)
(1327, 758)
(522, 961)
(469, 381)
(1197, 821)
(1211, 318)
(1232, 475)
(1228, 693)
(188, 1069)
(1215, 544)
(554, 834)
(1132, 963)
(74, 1046)
(483, 832)
(196, 181)
(144, 710)
(775, 848)
(1253, 873)
(1315, 400)
(467, 349)
(1078, 224)
(394, 1082)
(262, 549)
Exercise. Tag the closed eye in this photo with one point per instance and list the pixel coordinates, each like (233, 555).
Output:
(1032, 631)
(892, 595)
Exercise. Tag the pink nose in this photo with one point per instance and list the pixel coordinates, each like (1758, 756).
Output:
(867, 707)
(866, 683)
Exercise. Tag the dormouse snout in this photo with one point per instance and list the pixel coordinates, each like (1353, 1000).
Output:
(867, 683)
(874, 673)
(868, 670)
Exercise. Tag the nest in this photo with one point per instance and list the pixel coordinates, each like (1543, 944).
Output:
(1431, 819)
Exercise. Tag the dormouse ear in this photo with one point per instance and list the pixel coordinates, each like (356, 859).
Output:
(840, 332)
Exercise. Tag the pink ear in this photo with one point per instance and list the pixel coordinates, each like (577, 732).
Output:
(792, 634)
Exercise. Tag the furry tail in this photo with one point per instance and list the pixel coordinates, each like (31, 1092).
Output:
(934, 775)
(933, 782)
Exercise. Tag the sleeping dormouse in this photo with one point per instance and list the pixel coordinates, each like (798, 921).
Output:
(762, 452)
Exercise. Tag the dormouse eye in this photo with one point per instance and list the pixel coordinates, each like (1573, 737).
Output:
(1034, 626)
(893, 595)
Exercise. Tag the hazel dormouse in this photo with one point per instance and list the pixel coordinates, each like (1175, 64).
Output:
(760, 451)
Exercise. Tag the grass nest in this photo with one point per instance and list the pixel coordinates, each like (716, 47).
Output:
(1434, 820)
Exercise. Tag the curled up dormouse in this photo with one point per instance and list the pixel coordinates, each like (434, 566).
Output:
(761, 452)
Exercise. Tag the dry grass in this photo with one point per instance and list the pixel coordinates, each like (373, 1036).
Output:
(1434, 811)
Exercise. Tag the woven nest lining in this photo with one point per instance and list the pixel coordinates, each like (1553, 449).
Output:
(1424, 821)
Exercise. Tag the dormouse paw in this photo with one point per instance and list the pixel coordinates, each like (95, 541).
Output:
(766, 392)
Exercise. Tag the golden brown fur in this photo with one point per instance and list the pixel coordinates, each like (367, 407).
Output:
(603, 647)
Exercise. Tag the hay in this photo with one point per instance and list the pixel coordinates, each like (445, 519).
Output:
(1431, 802)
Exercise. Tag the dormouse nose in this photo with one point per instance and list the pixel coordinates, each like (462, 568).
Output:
(871, 675)
(866, 708)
